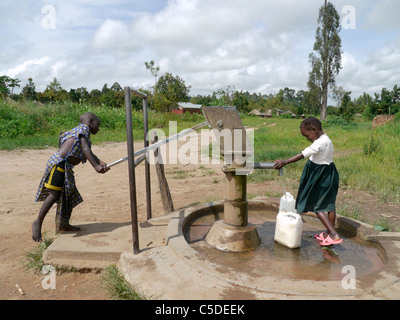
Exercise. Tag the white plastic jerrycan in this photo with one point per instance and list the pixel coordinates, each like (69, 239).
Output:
(288, 203)
(288, 230)
(289, 225)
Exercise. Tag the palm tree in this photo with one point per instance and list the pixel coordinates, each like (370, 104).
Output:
(13, 83)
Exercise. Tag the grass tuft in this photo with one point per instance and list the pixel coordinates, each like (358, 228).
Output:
(117, 287)
(33, 259)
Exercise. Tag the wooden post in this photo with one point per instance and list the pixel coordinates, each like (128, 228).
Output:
(162, 181)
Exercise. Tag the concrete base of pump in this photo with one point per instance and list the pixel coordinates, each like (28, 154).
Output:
(225, 237)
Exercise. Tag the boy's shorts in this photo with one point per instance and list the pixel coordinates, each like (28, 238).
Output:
(56, 177)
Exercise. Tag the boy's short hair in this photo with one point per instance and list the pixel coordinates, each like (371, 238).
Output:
(311, 122)
(87, 116)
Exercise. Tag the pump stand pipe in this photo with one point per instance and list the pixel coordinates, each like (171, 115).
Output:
(269, 165)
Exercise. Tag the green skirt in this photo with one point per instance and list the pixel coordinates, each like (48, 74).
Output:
(318, 188)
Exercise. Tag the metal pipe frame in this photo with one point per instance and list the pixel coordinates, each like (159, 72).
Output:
(264, 165)
(146, 164)
(131, 170)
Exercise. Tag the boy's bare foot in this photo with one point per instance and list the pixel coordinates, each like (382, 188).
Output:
(66, 227)
(36, 231)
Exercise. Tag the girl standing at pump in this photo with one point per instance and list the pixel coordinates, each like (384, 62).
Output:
(319, 181)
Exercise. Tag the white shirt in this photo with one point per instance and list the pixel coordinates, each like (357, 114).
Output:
(321, 151)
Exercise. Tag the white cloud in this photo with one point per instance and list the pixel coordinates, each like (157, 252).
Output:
(384, 15)
(112, 35)
(388, 58)
(380, 69)
(27, 66)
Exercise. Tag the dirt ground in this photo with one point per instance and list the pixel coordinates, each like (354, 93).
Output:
(106, 199)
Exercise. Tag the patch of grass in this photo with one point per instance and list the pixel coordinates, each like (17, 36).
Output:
(117, 287)
(33, 259)
(207, 171)
(383, 224)
(178, 173)
(272, 194)
(349, 210)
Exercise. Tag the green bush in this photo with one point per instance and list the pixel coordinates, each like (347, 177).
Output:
(372, 146)
(336, 121)
(14, 123)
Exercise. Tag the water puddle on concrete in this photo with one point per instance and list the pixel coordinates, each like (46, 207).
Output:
(310, 261)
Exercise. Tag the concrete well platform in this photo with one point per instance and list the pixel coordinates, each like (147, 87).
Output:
(98, 245)
(167, 267)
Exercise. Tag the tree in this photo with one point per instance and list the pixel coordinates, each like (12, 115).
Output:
(311, 102)
(154, 71)
(84, 94)
(347, 108)
(74, 96)
(396, 99)
(338, 94)
(388, 101)
(169, 91)
(327, 62)
(54, 92)
(54, 86)
(203, 100)
(14, 83)
(95, 96)
(79, 95)
(362, 102)
(116, 87)
(114, 99)
(241, 101)
(4, 91)
(6, 83)
(29, 91)
(105, 89)
(385, 102)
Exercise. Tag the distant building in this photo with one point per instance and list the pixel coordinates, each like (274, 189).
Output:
(187, 107)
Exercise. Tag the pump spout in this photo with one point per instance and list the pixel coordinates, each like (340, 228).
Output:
(264, 165)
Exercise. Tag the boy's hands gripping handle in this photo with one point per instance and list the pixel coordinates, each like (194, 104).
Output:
(98, 165)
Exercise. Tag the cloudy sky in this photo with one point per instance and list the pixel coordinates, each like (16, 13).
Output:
(257, 46)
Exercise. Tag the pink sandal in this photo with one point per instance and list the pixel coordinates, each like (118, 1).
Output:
(328, 241)
(320, 236)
